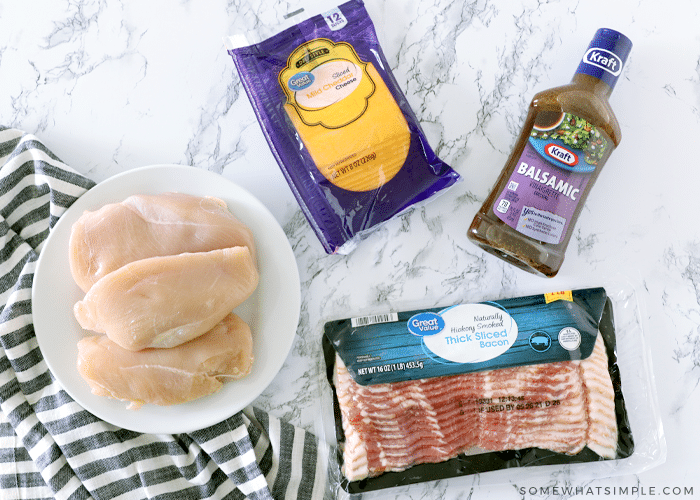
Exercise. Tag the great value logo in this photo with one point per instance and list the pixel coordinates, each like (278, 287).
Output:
(426, 323)
(300, 81)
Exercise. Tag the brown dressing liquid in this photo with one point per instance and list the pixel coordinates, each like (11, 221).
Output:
(585, 97)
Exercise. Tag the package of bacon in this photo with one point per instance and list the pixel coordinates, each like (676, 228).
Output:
(475, 388)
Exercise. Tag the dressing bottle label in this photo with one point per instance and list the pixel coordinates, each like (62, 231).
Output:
(551, 175)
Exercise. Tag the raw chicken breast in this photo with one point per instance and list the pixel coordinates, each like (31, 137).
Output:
(168, 376)
(166, 301)
(144, 226)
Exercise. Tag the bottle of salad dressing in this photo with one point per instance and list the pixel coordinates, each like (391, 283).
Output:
(569, 134)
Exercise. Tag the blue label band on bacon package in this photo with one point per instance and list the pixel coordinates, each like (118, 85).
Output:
(445, 392)
(341, 130)
(468, 337)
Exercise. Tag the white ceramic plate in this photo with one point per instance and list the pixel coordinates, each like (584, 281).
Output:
(272, 311)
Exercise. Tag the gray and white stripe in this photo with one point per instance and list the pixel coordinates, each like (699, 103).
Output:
(50, 447)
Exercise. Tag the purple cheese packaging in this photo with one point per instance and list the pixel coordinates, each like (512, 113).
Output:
(339, 126)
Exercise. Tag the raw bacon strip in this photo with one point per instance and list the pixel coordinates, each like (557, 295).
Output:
(416, 421)
(602, 429)
(561, 406)
(558, 419)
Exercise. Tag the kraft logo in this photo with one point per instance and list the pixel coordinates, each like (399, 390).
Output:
(604, 59)
(562, 154)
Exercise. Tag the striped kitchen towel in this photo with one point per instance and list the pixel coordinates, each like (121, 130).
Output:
(50, 447)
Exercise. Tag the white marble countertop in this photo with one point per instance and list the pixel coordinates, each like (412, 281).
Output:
(111, 86)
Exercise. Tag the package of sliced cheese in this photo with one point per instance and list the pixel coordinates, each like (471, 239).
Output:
(336, 121)
(530, 384)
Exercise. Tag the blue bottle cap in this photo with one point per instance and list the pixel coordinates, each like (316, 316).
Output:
(606, 56)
